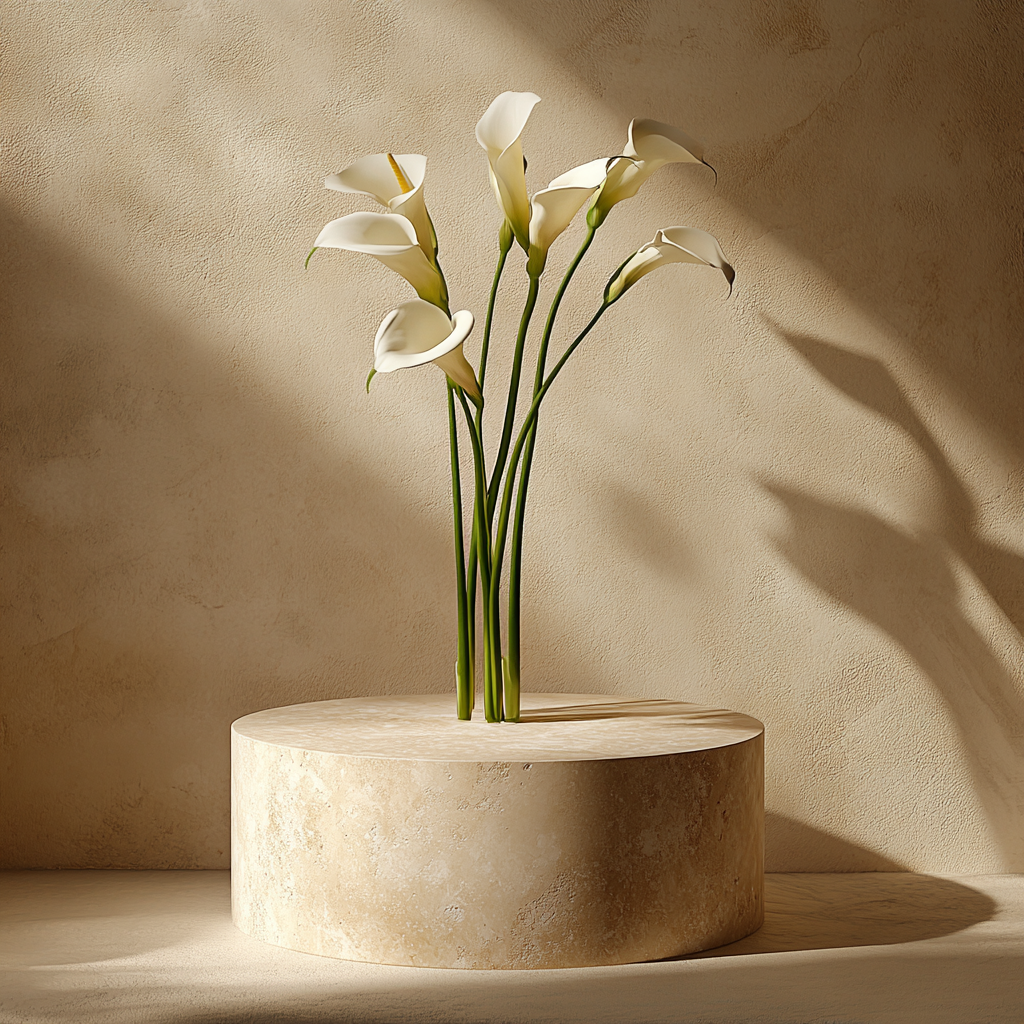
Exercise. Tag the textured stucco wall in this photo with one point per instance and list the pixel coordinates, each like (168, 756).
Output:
(805, 503)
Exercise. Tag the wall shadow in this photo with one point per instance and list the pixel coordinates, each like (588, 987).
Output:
(903, 583)
(879, 142)
(869, 383)
(787, 841)
(626, 708)
(180, 550)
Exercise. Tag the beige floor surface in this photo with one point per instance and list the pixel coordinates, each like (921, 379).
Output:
(106, 947)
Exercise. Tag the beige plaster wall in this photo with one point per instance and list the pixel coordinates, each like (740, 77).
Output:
(805, 503)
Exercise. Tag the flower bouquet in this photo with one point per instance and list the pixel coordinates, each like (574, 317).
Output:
(424, 330)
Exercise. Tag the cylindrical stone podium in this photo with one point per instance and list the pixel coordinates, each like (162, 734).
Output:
(598, 830)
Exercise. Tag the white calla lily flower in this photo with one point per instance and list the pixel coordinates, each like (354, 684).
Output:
(417, 332)
(498, 131)
(655, 142)
(554, 207)
(670, 245)
(650, 145)
(395, 181)
(391, 238)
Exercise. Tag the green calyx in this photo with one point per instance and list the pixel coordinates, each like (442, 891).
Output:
(616, 285)
(505, 236)
(597, 214)
(536, 261)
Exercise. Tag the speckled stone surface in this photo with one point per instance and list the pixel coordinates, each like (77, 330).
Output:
(600, 830)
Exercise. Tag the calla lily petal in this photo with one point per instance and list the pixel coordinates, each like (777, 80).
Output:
(650, 145)
(555, 206)
(498, 131)
(417, 332)
(623, 180)
(670, 245)
(375, 176)
(391, 238)
(457, 366)
(375, 233)
(653, 141)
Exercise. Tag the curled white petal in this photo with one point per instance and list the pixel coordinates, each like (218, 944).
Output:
(554, 207)
(416, 333)
(670, 245)
(624, 178)
(699, 247)
(456, 366)
(504, 120)
(378, 234)
(653, 141)
(650, 145)
(643, 261)
(374, 176)
(498, 131)
(391, 238)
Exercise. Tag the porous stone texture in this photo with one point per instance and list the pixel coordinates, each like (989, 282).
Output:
(597, 831)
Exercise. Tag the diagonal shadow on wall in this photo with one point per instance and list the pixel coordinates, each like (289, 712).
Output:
(868, 382)
(181, 549)
(880, 145)
(878, 142)
(903, 583)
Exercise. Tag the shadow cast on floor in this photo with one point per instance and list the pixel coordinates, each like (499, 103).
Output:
(164, 949)
(625, 709)
(805, 912)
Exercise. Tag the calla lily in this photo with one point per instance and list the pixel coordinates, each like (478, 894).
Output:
(395, 182)
(670, 245)
(391, 238)
(417, 332)
(650, 145)
(554, 207)
(498, 132)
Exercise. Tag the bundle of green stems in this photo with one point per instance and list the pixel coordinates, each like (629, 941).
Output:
(498, 522)
(424, 330)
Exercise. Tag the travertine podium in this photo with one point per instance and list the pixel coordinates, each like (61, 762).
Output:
(599, 830)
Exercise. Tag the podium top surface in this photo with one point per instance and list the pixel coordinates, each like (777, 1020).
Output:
(554, 727)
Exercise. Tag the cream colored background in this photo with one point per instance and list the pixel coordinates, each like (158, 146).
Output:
(804, 503)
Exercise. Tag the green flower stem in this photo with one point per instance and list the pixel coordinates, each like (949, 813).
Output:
(437, 264)
(492, 633)
(493, 687)
(444, 293)
(513, 395)
(553, 312)
(501, 532)
(463, 665)
(491, 593)
(505, 240)
(550, 379)
(471, 605)
(504, 245)
(516, 554)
